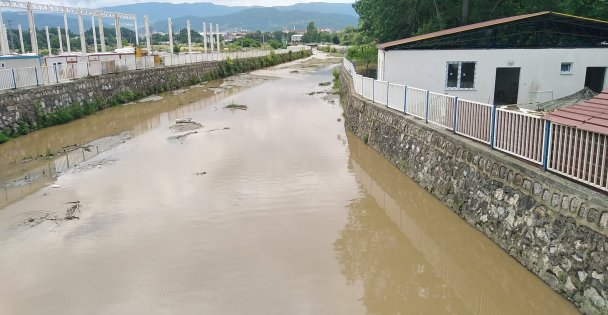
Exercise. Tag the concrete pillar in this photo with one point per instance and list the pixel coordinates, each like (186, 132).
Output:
(170, 36)
(217, 33)
(67, 32)
(3, 37)
(33, 35)
(48, 40)
(102, 37)
(211, 36)
(189, 37)
(136, 32)
(60, 40)
(205, 36)
(21, 39)
(148, 41)
(83, 42)
(118, 34)
(94, 33)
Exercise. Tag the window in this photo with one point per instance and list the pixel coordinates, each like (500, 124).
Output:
(460, 75)
(2, 65)
(566, 68)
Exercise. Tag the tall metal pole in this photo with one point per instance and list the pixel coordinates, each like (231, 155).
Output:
(48, 40)
(217, 33)
(102, 37)
(60, 40)
(67, 32)
(136, 32)
(170, 37)
(205, 36)
(189, 38)
(147, 27)
(21, 39)
(83, 42)
(33, 35)
(94, 33)
(211, 36)
(118, 35)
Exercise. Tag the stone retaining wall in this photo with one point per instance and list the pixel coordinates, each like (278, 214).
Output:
(554, 227)
(20, 105)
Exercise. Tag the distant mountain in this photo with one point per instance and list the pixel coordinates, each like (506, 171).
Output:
(47, 19)
(322, 7)
(264, 19)
(157, 11)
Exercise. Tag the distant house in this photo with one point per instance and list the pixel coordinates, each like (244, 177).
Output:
(297, 38)
(19, 61)
(522, 59)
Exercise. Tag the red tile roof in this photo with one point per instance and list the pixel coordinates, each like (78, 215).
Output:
(475, 26)
(590, 115)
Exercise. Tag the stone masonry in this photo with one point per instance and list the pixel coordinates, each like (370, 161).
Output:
(556, 228)
(19, 105)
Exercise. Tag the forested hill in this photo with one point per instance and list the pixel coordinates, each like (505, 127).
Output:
(387, 20)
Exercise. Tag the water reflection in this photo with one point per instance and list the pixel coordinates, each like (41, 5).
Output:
(414, 256)
(25, 169)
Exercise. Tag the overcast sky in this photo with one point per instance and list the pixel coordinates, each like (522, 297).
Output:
(105, 3)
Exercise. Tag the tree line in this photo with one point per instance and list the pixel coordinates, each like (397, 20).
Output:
(386, 20)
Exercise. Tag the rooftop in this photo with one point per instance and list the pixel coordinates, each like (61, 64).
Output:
(590, 115)
(537, 30)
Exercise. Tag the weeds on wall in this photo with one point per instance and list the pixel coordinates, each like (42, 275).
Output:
(75, 111)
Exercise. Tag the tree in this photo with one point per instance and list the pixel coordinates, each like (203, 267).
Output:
(312, 34)
(386, 20)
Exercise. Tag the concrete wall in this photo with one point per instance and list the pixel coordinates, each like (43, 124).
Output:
(20, 105)
(540, 70)
(555, 228)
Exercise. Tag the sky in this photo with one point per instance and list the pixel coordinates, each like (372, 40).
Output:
(105, 3)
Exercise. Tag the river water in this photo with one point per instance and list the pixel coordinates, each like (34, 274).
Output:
(272, 210)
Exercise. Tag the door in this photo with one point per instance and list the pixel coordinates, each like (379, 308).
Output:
(506, 89)
(594, 79)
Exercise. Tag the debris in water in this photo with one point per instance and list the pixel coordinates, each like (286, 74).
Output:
(339, 119)
(70, 214)
(225, 128)
(182, 136)
(56, 186)
(234, 106)
(294, 71)
(185, 124)
(200, 174)
(325, 84)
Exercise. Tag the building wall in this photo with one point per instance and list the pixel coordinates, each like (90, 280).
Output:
(540, 70)
(557, 229)
(19, 62)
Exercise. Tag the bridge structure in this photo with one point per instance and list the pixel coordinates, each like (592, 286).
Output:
(98, 15)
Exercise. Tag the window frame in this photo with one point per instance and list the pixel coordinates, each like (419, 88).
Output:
(459, 76)
(561, 72)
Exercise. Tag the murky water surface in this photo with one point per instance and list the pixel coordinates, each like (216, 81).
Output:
(272, 210)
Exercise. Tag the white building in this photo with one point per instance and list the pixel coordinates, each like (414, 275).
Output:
(296, 38)
(20, 61)
(523, 59)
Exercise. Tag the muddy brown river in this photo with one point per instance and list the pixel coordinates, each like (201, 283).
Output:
(270, 210)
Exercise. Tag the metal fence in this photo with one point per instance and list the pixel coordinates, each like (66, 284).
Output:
(48, 75)
(576, 154)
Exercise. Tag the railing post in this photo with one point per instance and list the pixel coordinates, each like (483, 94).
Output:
(455, 114)
(405, 101)
(493, 127)
(388, 87)
(373, 90)
(56, 74)
(14, 79)
(426, 114)
(36, 75)
(546, 145)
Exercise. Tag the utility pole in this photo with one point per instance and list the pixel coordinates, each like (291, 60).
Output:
(10, 32)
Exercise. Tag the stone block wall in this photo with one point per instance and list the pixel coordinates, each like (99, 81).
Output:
(556, 228)
(20, 105)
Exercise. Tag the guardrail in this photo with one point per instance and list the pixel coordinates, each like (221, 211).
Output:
(11, 79)
(577, 154)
